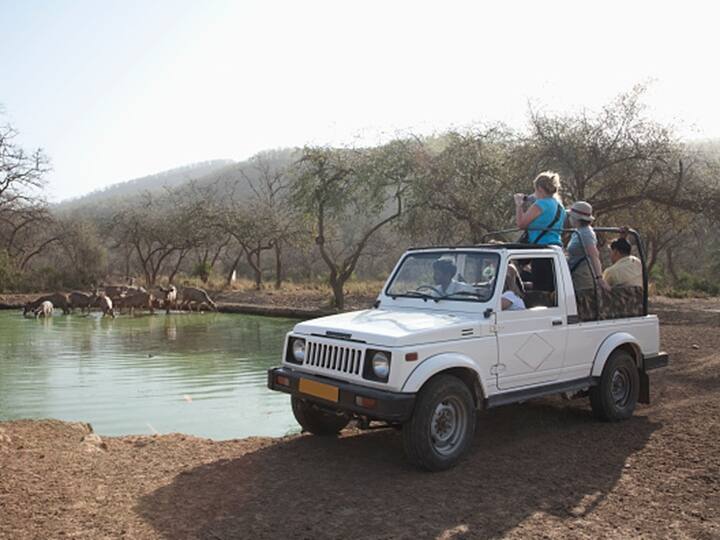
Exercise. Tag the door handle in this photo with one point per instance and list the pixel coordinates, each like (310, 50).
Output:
(557, 322)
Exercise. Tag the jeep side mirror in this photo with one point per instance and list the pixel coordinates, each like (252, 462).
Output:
(488, 312)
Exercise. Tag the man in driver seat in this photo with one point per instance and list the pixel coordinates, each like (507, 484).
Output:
(444, 271)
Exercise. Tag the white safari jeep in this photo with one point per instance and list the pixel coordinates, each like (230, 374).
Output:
(438, 346)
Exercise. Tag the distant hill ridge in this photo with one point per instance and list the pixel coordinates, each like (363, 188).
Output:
(154, 182)
(225, 174)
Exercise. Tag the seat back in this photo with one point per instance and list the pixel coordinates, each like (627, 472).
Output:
(618, 303)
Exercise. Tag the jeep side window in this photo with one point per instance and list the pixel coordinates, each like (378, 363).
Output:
(539, 280)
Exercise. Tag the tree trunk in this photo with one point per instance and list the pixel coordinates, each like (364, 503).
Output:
(253, 258)
(233, 268)
(154, 275)
(652, 259)
(147, 272)
(671, 265)
(128, 255)
(176, 268)
(338, 293)
(278, 266)
(258, 270)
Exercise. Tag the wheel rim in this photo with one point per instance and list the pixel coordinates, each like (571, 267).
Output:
(620, 387)
(448, 425)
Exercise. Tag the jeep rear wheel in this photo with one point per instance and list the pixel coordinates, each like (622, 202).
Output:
(315, 420)
(616, 396)
(442, 425)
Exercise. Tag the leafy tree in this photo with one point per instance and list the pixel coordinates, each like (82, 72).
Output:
(614, 159)
(465, 185)
(364, 188)
(82, 253)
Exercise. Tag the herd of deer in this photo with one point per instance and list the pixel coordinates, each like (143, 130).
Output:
(113, 299)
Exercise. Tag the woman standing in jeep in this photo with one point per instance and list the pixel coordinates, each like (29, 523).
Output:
(542, 222)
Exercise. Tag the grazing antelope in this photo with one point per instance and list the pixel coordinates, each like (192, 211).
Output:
(59, 300)
(105, 303)
(193, 295)
(44, 310)
(170, 299)
(80, 300)
(136, 300)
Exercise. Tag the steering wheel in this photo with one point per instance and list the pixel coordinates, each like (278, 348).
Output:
(429, 287)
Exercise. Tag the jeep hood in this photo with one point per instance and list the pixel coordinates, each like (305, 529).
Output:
(397, 328)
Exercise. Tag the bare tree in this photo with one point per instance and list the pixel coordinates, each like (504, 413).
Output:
(269, 183)
(251, 230)
(26, 225)
(160, 232)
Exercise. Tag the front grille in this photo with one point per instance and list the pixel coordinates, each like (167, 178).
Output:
(332, 357)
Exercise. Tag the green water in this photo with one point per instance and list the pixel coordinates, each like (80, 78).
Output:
(201, 374)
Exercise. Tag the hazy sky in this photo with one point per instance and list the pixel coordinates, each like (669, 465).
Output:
(116, 90)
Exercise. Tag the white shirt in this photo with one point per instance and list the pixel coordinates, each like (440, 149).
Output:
(517, 303)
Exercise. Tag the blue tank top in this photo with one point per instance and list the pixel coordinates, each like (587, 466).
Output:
(548, 209)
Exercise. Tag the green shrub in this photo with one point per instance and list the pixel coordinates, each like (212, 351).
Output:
(202, 270)
(8, 275)
(698, 283)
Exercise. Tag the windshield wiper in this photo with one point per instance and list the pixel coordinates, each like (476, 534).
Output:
(419, 294)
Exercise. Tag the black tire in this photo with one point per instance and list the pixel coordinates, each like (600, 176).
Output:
(316, 421)
(616, 396)
(442, 425)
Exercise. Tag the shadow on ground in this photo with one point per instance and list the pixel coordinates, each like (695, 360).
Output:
(544, 457)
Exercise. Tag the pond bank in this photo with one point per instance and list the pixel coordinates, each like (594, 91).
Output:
(296, 303)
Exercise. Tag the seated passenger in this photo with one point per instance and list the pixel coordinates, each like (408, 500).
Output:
(626, 270)
(444, 271)
(512, 293)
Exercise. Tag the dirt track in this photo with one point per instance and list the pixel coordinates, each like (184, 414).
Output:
(543, 469)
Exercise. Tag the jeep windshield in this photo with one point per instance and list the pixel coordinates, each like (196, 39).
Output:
(446, 275)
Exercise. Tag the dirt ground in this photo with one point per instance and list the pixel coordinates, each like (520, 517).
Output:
(541, 469)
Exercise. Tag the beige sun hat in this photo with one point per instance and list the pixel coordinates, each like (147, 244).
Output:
(582, 210)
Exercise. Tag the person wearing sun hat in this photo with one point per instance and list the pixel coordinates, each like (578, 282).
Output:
(582, 252)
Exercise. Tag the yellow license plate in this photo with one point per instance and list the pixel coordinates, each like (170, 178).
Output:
(324, 391)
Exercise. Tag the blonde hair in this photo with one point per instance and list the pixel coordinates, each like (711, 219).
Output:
(549, 182)
(512, 280)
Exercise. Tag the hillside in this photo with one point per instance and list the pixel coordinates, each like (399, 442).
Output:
(224, 175)
(154, 182)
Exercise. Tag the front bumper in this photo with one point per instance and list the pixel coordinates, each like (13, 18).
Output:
(390, 406)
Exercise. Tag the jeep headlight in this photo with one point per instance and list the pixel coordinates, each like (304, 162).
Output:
(298, 350)
(381, 364)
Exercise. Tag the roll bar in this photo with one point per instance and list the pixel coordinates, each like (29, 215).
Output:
(624, 231)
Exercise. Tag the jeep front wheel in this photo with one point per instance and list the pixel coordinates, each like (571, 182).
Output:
(315, 420)
(442, 426)
(616, 396)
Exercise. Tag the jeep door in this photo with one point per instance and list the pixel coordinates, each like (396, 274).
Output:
(531, 341)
